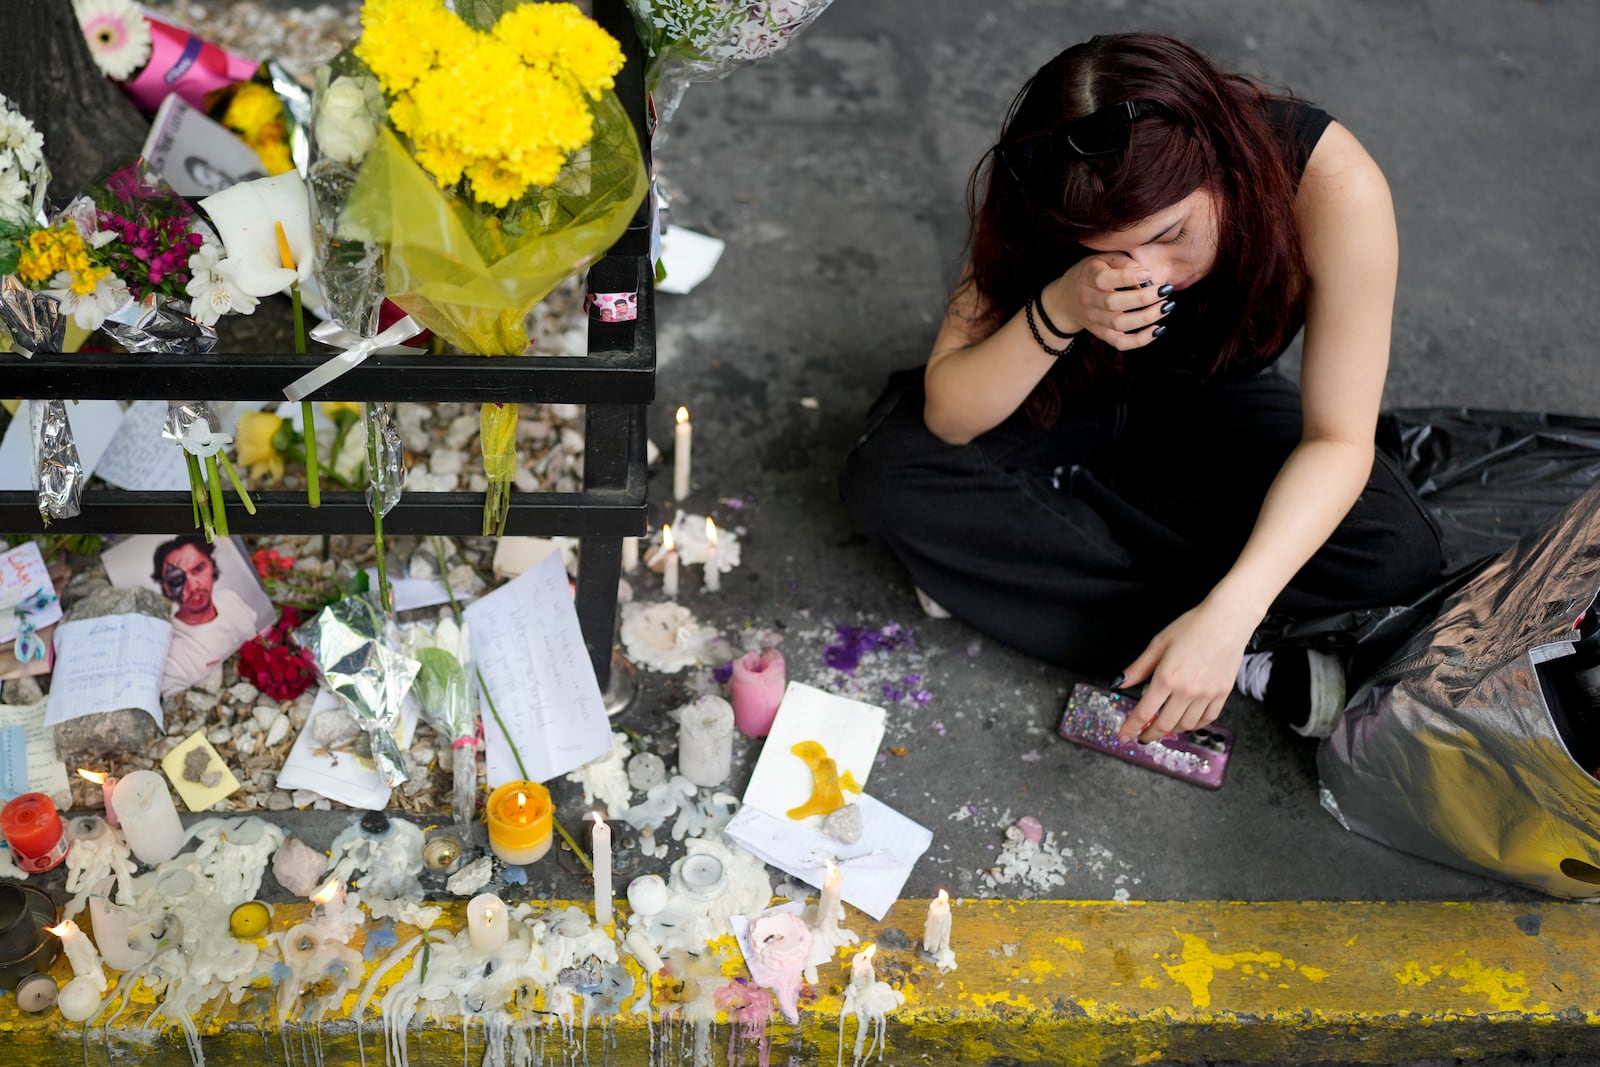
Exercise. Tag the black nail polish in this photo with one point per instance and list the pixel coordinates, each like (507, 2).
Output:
(1158, 331)
(1165, 290)
(1116, 683)
(1166, 309)
(1147, 283)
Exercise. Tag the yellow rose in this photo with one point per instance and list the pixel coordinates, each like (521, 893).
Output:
(254, 442)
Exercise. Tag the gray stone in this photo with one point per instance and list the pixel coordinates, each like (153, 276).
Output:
(471, 878)
(21, 691)
(844, 824)
(101, 734)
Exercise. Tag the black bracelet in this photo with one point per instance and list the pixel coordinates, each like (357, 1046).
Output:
(1044, 317)
(1033, 327)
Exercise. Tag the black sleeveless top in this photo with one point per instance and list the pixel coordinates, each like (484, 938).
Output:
(1185, 354)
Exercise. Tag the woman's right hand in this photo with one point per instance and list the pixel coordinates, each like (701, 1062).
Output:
(1113, 297)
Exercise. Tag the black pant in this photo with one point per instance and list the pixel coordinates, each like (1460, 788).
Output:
(1076, 544)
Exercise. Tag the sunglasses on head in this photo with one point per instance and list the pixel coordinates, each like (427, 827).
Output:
(1102, 133)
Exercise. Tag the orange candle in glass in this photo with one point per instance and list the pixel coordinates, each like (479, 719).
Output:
(521, 822)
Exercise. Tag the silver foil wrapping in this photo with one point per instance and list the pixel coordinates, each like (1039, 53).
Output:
(34, 320)
(160, 324)
(195, 426)
(358, 659)
(1451, 751)
(385, 459)
(55, 461)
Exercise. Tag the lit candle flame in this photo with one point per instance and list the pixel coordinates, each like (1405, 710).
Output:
(683, 414)
(944, 898)
(67, 926)
(711, 532)
(285, 256)
(833, 869)
(666, 538)
(599, 820)
(93, 776)
(522, 802)
(867, 953)
(327, 893)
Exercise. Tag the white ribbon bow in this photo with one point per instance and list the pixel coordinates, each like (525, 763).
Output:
(356, 350)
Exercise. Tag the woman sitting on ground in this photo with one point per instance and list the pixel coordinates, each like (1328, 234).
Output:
(1100, 465)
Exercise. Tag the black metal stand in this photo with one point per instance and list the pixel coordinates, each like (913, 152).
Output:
(615, 383)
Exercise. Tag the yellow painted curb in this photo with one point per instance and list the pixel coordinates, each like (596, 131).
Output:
(1070, 982)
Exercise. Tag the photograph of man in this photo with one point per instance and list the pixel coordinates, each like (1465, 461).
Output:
(217, 604)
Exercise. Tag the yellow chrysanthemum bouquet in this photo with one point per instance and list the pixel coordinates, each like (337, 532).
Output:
(490, 161)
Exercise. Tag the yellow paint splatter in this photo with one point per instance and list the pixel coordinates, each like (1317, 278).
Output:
(1352, 940)
(1506, 990)
(1312, 974)
(1149, 981)
(1041, 968)
(1200, 965)
(1070, 943)
(1413, 975)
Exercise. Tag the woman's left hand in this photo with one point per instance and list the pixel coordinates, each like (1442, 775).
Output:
(1191, 666)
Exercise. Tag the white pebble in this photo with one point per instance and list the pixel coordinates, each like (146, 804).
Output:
(243, 693)
(220, 735)
(280, 730)
(462, 429)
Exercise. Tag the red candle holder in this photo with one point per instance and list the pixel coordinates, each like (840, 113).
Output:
(32, 827)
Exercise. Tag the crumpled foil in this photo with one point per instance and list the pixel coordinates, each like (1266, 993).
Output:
(34, 320)
(358, 659)
(195, 426)
(385, 459)
(1452, 750)
(349, 272)
(297, 103)
(160, 324)
(56, 467)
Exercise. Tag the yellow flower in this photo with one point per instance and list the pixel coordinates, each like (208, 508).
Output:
(274, 155)
(340, 409)
(493, 184)
(441, 159)
(560, 35)
(252, 108)
(255, 446)
(59, 250)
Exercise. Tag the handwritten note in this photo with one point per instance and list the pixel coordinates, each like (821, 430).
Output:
(22, 573)
(527, 644)
(108, 664)
(45, 771)
(141, 459)
(94, 424)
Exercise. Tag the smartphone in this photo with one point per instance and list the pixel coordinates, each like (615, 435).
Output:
(1094, 715)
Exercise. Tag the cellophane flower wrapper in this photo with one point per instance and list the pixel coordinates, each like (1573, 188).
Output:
(445, 691)
(36, 324)
(472, 274)
(386, 472)
(358, 659)
(706, 40)
(349, 271)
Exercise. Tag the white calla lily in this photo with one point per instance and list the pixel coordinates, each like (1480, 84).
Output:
(247, 215)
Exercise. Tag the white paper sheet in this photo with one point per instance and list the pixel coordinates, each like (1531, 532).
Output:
(339, 776)
(849, 730)
(94, 424)
(23, 572)
(689, 257)
(527, 644)
(412, 593)
(141, 459)
(108, 664)
(875, 868)
(46, 772)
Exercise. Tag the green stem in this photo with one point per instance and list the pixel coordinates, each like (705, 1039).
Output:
(219, 514)
(197, 494)
(309, 422)
(238, 486)
(488, 698)
(444, 577)
(377, 545)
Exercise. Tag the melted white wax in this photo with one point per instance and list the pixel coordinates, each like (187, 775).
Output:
(606, 779)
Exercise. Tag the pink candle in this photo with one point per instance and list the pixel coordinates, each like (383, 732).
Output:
(106, 784)
(758, 684)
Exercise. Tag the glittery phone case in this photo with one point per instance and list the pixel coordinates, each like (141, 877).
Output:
(1094, 715)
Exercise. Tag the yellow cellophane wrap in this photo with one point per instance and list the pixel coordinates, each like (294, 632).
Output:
(470, 272)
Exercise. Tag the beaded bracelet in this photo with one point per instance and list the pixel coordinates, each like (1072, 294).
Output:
(1044, 317)
(1033, 327)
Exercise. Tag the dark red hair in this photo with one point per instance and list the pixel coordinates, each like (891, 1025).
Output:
(1212, 131)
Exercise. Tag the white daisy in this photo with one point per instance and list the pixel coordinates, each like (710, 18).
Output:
(18, 135)
(118, 35)
(14, 206)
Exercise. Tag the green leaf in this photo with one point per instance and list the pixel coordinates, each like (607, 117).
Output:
(440, 672)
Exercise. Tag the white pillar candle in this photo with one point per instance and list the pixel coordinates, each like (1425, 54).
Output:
(936, 933)
(331, 899)
(630, 554)
(705, 741)
(861, 973)
(150, 822)
(831, 908)
(639, 946)
(682, 444)
(80, 953)
(647, 895)
(488, 923)
(713, 575)
(601, 848)
(669, 568)
(79, 1000)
